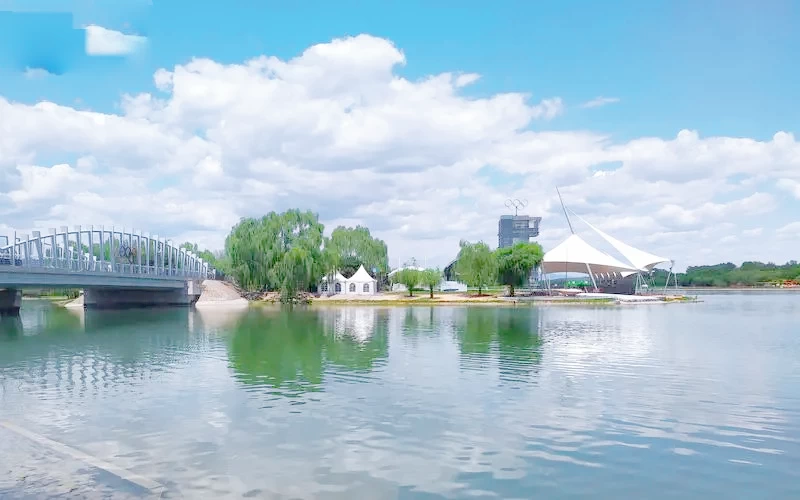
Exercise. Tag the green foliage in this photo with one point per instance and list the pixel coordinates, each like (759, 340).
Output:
(728, 274)
(276, 252)
(356, 247)
(477, 266)
(409, 278)
(514, 264)
(192, 247)
(431, 279)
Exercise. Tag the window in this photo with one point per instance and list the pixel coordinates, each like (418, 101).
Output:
(352, 287)
(338, 288)
(324, 287)
(366, 287)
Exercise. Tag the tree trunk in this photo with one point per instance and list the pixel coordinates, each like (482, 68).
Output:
(511, 289)
(479, 291)
(431, 292)
(411, 291)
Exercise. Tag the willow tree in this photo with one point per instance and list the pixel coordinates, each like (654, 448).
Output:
(431, 279)
(356, 247)
(409, 278)
(329, 263)
(515, 263)
(476, 265)
(276, 252)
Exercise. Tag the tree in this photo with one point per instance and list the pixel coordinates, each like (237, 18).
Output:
(514, 264)
(356, 247)
(748, 274)
(477, 266)
(330, 262)
(409, 278)
(294, 271)
(276, 252)
(431, 278)
(192, 247)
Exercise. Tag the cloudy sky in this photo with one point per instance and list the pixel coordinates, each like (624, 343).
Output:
(671, 126)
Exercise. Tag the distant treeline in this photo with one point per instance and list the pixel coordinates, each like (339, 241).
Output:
(729, 274)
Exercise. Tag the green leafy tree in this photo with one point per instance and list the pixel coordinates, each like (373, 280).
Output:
(330, 260)
(431, 279)
(728, 274)
(356, 247)
(192, 247)
(276, 252)
(515, 263)
(409, 278)
(477, 266)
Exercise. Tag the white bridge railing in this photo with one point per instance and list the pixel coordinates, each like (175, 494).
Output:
(102, 251)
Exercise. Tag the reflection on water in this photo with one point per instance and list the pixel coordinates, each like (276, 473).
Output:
(370, 402)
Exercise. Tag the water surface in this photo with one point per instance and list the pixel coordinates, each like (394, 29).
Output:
(653, 401)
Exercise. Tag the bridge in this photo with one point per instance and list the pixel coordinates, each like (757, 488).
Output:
(115, 268)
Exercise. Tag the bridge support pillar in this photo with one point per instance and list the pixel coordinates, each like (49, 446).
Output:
(115, 298)
(10, 302)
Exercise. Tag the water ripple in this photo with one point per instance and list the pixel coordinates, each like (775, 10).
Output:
(414, 403)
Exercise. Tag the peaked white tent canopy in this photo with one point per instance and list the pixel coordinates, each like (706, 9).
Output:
(574, 255)
(364, 283)
(361, 283)
(643, 261)
(336, 278)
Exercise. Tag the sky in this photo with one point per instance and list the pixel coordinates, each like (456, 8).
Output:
(671, 125)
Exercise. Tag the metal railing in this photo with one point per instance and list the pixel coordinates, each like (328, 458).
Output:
(99, 250)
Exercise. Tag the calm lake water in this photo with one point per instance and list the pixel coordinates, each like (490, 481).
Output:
(660, 401)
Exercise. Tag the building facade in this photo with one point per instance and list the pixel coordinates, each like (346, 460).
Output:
(516, 228)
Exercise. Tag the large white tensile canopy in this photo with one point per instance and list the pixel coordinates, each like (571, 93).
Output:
(574, 254)
(644, 261)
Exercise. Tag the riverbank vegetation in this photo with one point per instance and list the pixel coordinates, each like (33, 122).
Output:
(288, 253)
(749, 274)
(479, 268)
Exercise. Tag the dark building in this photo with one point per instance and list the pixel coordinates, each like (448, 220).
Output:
(516, 228)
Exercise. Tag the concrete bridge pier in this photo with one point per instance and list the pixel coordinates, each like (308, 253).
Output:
(120, 298)
(10, 302)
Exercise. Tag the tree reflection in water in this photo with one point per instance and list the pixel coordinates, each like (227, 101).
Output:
(510, 334)
(289, 349)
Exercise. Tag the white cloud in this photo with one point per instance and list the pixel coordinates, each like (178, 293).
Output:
(791, 186)
(36, 73)
(338, 131)
(750, 233)
(790, 231)
(600, 101)
(106, 42)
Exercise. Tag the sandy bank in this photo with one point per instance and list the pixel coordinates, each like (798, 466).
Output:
(75, 303)
(218, 294)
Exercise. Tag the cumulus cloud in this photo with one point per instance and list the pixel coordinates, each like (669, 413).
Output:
(107, 42)
(337, 130)
(600, 101)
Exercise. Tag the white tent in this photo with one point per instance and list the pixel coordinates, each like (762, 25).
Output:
(642, 260)
(339, 283)
(574, 255)
(361, 283)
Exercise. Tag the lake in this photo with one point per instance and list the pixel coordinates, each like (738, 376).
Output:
(647, 401)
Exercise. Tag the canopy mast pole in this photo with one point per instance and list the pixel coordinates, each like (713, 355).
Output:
(572, 230)
(564, 208)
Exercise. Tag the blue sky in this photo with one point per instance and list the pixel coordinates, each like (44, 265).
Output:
(722, 68)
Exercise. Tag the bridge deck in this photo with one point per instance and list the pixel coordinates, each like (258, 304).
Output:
(26, 277)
